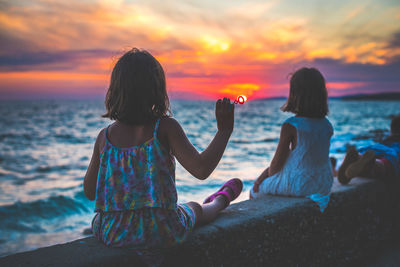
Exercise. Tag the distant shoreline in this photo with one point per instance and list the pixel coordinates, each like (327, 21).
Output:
(394, 96)
(380, 96)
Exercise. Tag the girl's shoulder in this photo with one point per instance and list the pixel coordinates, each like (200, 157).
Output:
(299, 119)
(168, 122)
(291, 120)
(168, 128)
(295, 121)
(100, 141)
(168, 125)
(306, 122)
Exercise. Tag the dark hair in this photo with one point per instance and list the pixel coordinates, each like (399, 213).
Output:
(137, 93)
(308, 96)
(395, 125)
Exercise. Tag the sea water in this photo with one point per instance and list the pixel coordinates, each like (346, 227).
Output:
(45, 148)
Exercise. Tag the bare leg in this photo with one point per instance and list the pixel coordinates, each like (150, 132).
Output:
(376, 170)
(351, 157)
(365, 166)
(206, 213)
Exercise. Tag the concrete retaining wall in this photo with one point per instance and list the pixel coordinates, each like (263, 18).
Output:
(273, 231)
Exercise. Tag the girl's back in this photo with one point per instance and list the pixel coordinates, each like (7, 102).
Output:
(123, 135)
(301, 165)
(138, 176)
(307, 169)
(136, 192)
(131, 174)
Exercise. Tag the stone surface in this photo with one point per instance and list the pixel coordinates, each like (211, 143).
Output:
(273, 231)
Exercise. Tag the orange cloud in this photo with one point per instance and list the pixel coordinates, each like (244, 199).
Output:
(345, 85)
(233, 90)
(56, 83)
(233, 48)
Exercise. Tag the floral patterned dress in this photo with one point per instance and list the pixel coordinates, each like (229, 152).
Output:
(136, 199)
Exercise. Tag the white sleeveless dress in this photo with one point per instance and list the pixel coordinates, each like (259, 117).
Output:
(307, 171)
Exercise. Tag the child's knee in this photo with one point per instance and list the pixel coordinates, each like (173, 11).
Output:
(196, 207)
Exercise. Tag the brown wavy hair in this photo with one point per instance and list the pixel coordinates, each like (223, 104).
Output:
(308, 96)
(137, 93)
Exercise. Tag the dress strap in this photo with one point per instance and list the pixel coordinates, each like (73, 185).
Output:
(156, 128)
(105, 134)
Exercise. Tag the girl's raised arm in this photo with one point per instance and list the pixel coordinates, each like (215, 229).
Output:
(201, 165)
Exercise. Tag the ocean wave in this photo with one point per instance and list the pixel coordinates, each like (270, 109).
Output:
(23, 227)
(10, 173)
(52, 207)
(42, 169)
(15, 136)
(377, 135)
(244, 141)
(71, 139)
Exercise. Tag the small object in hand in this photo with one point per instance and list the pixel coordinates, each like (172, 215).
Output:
(240, 100)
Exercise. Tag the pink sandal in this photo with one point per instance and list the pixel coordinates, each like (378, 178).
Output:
(234, 184)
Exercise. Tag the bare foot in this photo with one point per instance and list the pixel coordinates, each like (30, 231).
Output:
(362, 165)
(351, 156)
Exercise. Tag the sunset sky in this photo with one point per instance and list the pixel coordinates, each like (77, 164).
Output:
(208, 48)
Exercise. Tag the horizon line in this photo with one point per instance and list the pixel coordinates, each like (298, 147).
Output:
(98, 97)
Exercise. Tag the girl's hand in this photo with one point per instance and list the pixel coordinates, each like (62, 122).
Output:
(224, 113)
(256, 186)
(260, 179)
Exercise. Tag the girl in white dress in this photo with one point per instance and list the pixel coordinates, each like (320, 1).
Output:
(301, 165)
